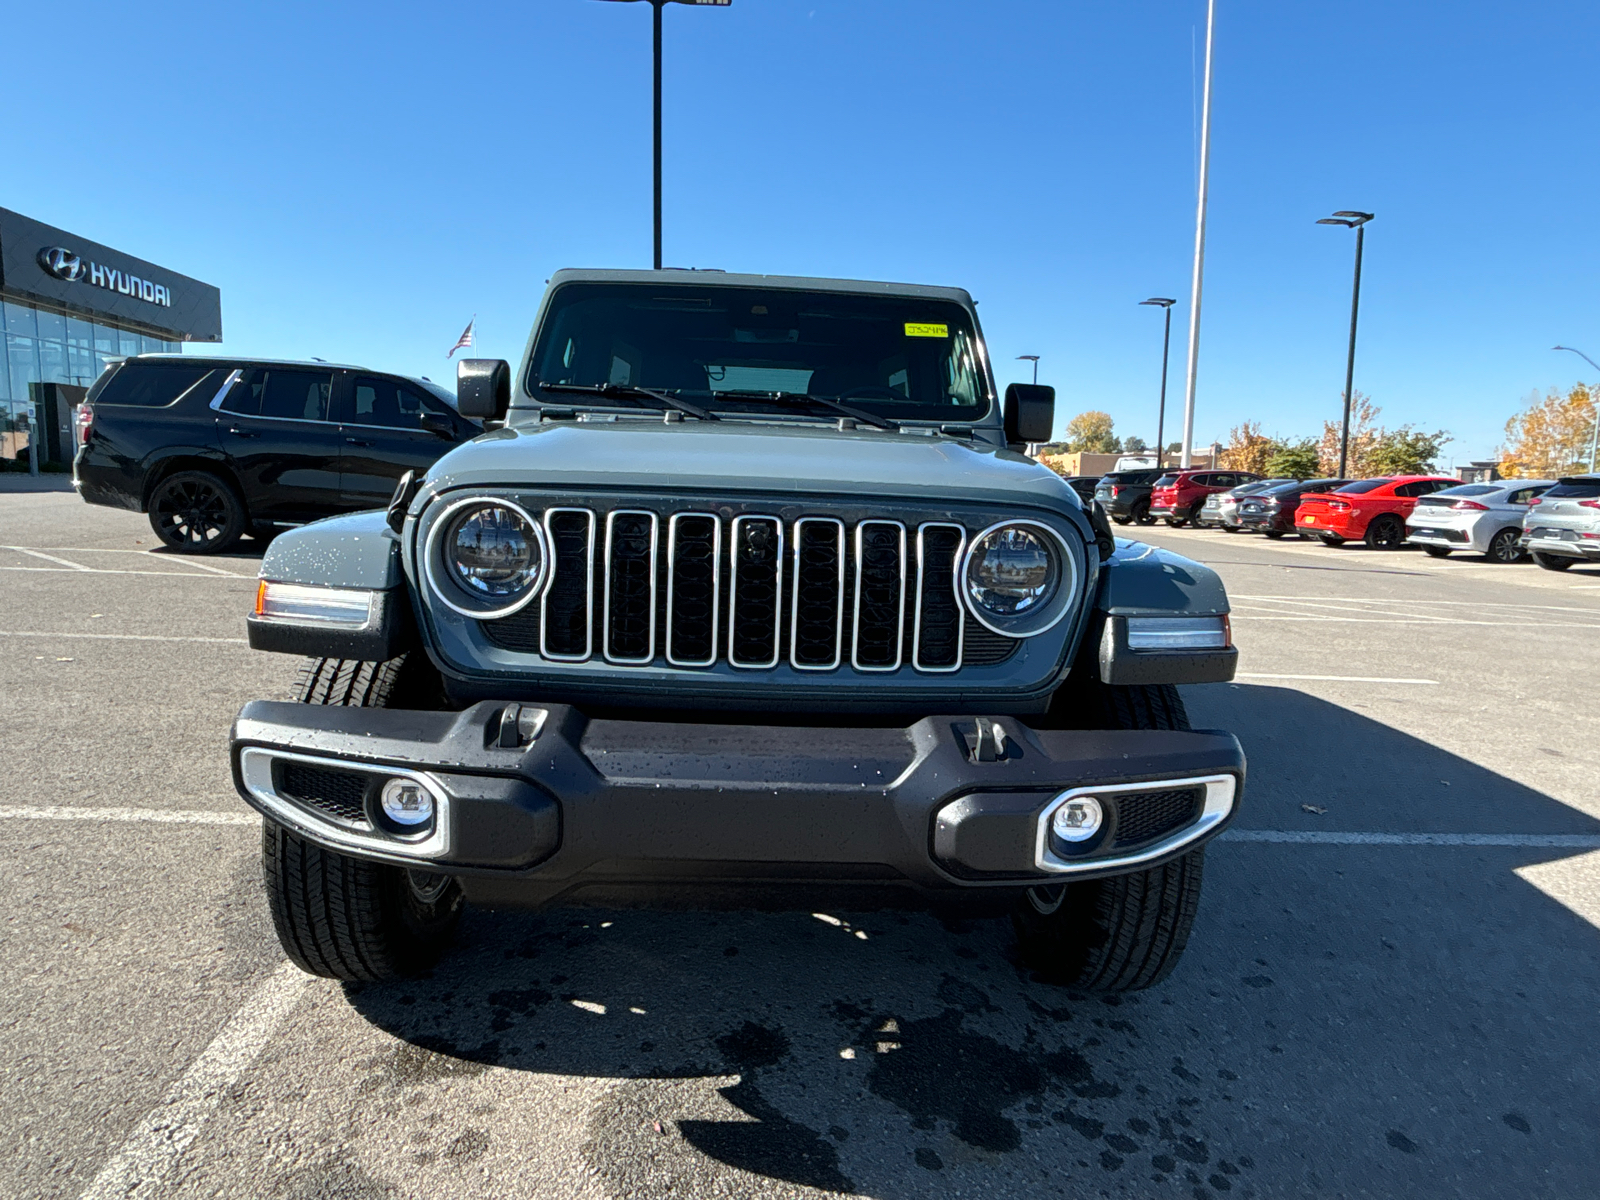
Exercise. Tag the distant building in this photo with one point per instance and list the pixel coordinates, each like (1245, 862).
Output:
(1478, 472)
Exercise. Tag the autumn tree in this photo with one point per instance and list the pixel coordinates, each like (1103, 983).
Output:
(1294, 460)
(1091, 432)
(1248, 449)
(1363, 437)
(1550, 437)
(1405, 451)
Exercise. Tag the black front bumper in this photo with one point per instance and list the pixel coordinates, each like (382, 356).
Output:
(615, 812)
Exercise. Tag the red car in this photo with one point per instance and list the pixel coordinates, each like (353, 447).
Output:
(1374, 510)
(1178, 495)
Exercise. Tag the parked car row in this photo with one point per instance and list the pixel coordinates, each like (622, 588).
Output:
(1555, 522)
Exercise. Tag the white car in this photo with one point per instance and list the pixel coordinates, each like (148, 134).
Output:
(1564, 527)
(1481, 517)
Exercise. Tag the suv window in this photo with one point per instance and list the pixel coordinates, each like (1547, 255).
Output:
(389, 403)
(1523, 495)
(1575, 489)
(288, 394)
(1166, 480)
(153, 385)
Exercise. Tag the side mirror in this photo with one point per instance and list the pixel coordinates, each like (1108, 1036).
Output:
(483, 388)
(1030, 412)
(439, 424)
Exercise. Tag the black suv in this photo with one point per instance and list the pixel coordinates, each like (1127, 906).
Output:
(215, 448)
(1272, 512)
(1125, 495)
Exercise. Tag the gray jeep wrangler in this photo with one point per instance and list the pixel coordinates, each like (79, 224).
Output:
(747, 597)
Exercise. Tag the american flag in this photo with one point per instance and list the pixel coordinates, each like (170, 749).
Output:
(467, 338)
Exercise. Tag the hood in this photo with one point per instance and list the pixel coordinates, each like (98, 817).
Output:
(736, 456)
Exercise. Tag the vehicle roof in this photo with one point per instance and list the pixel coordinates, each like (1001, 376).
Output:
(801, 283)
(314, 363)
(1592, 478)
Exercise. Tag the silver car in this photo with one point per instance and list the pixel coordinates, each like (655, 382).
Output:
(1563, 526)
(1481, 517)
(1222, 508)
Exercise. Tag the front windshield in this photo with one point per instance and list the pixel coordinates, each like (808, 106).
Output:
(896, 356)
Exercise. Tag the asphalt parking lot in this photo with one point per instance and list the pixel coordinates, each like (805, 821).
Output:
(1390, 990)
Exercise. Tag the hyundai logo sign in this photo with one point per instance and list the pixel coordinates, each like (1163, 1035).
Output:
(63, 264)
(67, 266)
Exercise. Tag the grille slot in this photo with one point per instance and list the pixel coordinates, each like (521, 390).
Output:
(755, 596)
(337, 794)
(1145, 816)
(880, 606)
(630, 586)
(940, 622)
(694, 588)
(566, 618)
(816, 616)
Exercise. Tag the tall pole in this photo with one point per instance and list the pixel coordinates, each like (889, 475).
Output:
(1161, 413)
(1350, 362)
(1199, 243)
(655, 7)
(1594, 397)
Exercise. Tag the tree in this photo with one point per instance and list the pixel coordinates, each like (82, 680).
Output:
(1248, 449)
(1134, 444)
(1294, 460)
(1404, 451)
(1550, 437)
(1363, 437)
(1091, 432)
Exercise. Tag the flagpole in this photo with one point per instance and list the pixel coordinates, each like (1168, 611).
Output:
(1199, 247)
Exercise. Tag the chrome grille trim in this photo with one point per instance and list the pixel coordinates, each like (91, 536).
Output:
(733, 593)
(588, 567)
(798, 583)
(900, 619)
(955, 587)
(716, 585)
(607, 590)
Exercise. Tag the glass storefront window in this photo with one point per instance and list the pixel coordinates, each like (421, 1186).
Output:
(105, 339)
(102, 361)
(81, 366)
(52, 362)
(152, 345)
(52, 326)
(128, 343)
(19, 320)
(23, 362)
(80, 334)
(5, 373)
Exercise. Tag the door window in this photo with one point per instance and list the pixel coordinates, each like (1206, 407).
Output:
(293, 395)
(1419, 488)
(1523, 495)
(387, 402)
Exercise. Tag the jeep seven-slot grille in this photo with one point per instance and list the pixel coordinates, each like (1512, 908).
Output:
(635, 587)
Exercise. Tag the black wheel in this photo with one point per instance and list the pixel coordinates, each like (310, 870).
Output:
(1126, 932)
(1553, 563)
(1385, 533)
(1436, 551)
(1176, 522)
(1122, 520)
(195, 512)
(1274, 534)
(1141, 513)
(1504, 548)
(1329, 539)
(344, 917)
(1234, 528)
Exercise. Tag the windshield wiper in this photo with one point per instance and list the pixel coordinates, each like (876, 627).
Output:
(627, 391)
(795, 399)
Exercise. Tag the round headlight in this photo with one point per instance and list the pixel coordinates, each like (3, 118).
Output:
(1016, 579)
(491, 556)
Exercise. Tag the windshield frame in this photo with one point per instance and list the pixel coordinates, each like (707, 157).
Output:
(750, 405)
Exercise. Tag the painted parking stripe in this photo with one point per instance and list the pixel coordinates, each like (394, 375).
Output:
(1337, 678)
(48, 557)
(125, 637)
(159, 816)
(150, 1153)
(74, 569)
(1318, 837)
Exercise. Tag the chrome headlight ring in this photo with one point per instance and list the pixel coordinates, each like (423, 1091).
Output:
(1050, 613)
(454, 596)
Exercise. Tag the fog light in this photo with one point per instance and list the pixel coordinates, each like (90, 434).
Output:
(406, 802)
(1078, 820)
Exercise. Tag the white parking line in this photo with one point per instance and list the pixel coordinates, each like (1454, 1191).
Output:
(48, 557)
(152, 1150)
(1336, 678)
(1317, 837)
(159, 816)
(1435, 622)
(125, 637)
(111, 571)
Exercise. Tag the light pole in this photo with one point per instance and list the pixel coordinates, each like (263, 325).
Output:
(1594, 437)
(1166, 344)
(1034, 359)
(1196, 284)
(657, 6)
(1358, 222)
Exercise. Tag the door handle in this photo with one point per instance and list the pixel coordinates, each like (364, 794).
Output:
(357, 442)
(235, 430)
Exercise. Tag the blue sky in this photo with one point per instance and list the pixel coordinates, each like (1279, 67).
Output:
(360, 179)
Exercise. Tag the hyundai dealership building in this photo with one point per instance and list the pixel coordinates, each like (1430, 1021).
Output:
(67, 307)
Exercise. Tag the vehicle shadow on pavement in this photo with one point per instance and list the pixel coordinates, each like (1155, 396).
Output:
(1411, 1020)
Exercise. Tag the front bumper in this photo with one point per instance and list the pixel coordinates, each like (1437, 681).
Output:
(615, 812)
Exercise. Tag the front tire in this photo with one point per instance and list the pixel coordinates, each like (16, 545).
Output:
(344, 917)
(196, 512)
(1126, 932)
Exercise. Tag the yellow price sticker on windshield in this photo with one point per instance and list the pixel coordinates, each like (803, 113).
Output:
(913, 329)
